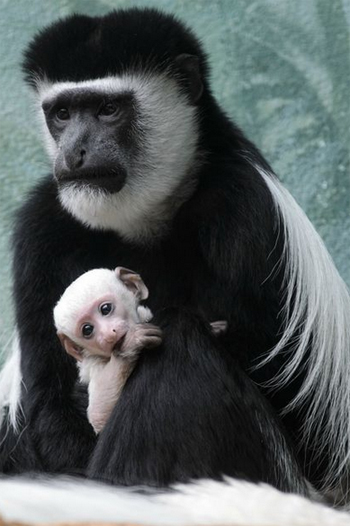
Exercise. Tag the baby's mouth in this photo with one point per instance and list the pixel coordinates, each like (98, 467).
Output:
(118, 345)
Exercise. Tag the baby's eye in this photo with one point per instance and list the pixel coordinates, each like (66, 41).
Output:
(87, 330)
(106, 308)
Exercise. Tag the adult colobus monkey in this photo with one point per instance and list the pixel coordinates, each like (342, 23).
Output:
(150, 174)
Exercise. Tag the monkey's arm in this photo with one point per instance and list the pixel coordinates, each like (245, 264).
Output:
(241, 258)
(108, 378)
(188, 411)
(45, 263)
(106, 383)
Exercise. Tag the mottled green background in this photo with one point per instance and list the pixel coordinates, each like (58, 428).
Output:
(280, 68)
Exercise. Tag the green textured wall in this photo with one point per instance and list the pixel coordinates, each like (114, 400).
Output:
(280, 68)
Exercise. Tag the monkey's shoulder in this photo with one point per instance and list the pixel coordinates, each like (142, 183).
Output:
(235, 220)
(232, 197)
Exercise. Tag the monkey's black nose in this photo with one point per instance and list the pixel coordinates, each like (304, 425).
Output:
(75, 158)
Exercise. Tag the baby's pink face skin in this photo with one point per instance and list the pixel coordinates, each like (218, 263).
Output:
(106, 328)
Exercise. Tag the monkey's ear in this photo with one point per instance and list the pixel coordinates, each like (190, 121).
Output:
(133, 282)
(189, 66)
(71, 347)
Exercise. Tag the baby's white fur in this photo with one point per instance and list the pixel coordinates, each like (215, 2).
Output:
(84, 291)
(105, 376)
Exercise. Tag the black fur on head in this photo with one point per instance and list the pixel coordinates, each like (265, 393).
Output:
(80, 47)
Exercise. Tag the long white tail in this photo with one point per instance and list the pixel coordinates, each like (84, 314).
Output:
(317, 310)
(205, 502)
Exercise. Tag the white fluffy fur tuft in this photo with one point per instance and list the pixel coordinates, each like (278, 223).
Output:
(205, 502)
(317, 308)
(10, 385)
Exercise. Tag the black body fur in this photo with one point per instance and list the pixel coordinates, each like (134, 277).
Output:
(189, 410)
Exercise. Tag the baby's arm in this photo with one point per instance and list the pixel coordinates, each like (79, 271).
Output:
(107, 378)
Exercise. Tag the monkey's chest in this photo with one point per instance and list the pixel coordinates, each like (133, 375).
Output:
(173, 271)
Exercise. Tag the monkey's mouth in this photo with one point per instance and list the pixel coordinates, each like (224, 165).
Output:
(110, 181)
(117, 348)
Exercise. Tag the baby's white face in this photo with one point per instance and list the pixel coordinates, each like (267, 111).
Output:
(97, 310)
(101, 326)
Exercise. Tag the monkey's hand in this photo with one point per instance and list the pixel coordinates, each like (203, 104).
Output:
(139, 336)
(219, 327)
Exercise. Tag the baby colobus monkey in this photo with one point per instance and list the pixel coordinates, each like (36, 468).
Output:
(101, 323)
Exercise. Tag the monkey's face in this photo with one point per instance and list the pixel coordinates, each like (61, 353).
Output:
(103, 324)
(121, 146)
(95, 137)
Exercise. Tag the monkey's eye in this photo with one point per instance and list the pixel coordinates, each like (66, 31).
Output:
(108, 109)
(87, 330)
(62, 114)
(106, 308)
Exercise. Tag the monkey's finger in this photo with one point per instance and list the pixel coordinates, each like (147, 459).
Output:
(219, 327)
(152, 331)
(151, 326)
(152, 341)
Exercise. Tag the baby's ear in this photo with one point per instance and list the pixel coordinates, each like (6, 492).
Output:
(145, 315)
(71, 347)
(133, 282)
